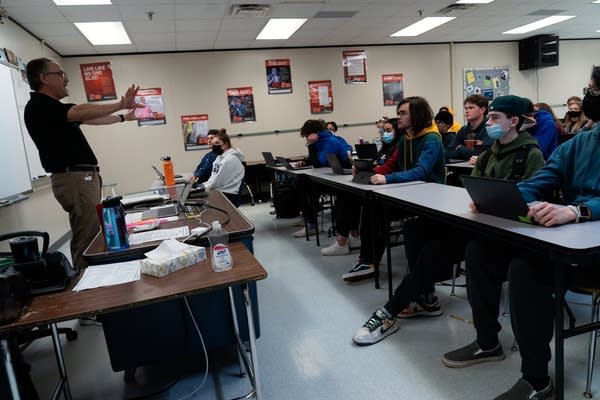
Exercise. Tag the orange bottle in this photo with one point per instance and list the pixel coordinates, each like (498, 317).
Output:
(168, 171)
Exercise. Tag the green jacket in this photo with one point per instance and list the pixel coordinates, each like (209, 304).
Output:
(500, 163)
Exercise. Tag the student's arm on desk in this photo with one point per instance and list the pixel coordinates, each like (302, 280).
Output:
(432, 150)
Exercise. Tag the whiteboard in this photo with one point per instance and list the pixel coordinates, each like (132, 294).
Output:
(22, 96)
(13, 162)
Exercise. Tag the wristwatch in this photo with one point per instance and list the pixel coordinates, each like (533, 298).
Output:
(584, 213)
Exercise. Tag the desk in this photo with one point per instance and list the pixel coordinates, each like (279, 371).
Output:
(199, 278)
(563, 245)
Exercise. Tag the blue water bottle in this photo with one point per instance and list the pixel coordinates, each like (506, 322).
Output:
(113, 219)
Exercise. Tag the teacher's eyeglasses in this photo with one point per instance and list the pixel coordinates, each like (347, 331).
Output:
(61, 73)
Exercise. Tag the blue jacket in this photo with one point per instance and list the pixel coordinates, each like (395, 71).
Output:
(204, 169)
(329, 144)
(344, 142)
(574, 167)
(545, 132)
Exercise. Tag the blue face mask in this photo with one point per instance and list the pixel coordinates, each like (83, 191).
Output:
(388, 137)
(495, 131)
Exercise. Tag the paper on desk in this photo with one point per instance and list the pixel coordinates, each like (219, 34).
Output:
(108, 274)
(159, 234)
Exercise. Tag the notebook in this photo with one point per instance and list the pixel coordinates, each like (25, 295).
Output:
(171, 210)
(364, 171)
(336, 166)
(497, 197)
(289, 166)
(367, 151)
(178, 178)
(270, 160)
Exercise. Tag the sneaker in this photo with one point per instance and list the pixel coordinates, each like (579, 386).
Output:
(302, 232)
(298, 222)
(419, 308)
(89, 321)
(472, 354)
(375, 329)
(524, 391)
(353, 242)
(359, 271)
(335, 249)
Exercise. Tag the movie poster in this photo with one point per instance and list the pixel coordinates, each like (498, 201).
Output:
(153, 110)
(393, 89)
(98, 81)
(241, 104)
(195, 130)
(321, 97)
(355, 66)
(279, 76)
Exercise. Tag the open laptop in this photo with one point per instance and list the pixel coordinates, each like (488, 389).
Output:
(270, 160)
(178, 178)
(497, 197)
(336, 166)
(289, 166)
(364, 171)
(367, 151)
(171, 210)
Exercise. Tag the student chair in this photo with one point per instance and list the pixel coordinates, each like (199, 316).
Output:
(244, 184)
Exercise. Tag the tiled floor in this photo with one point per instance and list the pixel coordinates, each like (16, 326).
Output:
(308, 315)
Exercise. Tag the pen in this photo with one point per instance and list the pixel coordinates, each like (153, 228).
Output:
(148, 221)
(468, 321)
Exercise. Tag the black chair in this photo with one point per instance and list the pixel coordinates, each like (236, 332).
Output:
(244, 184)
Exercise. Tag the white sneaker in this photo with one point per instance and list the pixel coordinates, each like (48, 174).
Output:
(353, 242)
(378, 327)
(302, 232)
(335, 249)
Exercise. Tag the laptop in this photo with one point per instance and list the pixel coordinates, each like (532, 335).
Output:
(178, 178)
(289, 166)
(364, 171)
(270, 160)
(367, 151)
(497, 197)
(336, 166)
(171, 210)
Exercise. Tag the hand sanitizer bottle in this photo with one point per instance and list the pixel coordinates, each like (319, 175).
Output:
(219, 252)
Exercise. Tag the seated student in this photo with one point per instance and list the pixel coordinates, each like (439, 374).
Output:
(574, 169)
(476, 108)
(432, 247)
(320, 142)
(444, 122)
(204, 169)
(574, 119)
(419, 156)
(347, 209)
(455, 125)
(543, 128)
(228, 170)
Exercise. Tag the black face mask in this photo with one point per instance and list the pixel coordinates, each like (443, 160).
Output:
(217, 149)
(591, 107)
(574, 114)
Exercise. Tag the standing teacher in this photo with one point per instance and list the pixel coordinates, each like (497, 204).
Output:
(64, 150)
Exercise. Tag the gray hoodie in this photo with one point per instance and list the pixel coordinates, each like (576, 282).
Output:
(227, 172)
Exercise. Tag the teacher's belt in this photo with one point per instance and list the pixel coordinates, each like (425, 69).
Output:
(72, 168)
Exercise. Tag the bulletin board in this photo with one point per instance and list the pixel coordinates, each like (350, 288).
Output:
(488, 82)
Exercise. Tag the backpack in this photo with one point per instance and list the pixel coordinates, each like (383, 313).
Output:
(519, 162)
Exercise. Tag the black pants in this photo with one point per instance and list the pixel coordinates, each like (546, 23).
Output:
(347, 213)
(307, 200)
(431, 250)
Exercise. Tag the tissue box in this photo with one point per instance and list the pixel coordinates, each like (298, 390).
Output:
(171, 256)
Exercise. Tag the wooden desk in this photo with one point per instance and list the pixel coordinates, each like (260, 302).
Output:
(54, 308)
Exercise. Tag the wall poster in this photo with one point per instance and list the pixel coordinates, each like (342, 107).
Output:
(320, 97)
(153, 110)
(279, 76)
(489, 82)
(241, 104)
(393, 89)
(98, 81)
(355, 66)
(195, 129)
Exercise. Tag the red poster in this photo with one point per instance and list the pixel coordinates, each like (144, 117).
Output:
(195, 129)
(98, 81)
(355, 66)
(241, 104)
(279, 76)
(321, 97)
(393, 89)
(153, 112)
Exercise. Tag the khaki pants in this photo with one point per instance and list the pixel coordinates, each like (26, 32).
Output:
(78, 192)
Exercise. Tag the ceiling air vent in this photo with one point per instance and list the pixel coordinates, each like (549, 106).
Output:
(456, 7)
(249, 10)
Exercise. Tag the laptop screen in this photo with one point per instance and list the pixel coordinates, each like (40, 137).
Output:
(160, 175)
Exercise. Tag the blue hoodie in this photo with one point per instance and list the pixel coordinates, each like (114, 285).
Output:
(204, 169)
(545, 132)
(329, 144)
(574, 167)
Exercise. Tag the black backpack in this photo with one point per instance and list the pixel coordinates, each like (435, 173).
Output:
(519, 162)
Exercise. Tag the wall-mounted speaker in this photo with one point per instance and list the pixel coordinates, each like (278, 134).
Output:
(538, 52)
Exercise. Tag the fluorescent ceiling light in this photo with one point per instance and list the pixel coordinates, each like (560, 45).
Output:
(99, 33)
(474, 1)
(280, 28)
(422, 26)
(538, 24)
(80, 2)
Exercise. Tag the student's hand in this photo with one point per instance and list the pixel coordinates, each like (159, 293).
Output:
(473, 207)
(472, 160)
(193, 179)
(378, 179)
(548, 214)
(478, 142)
(353, 170)
(130, 116)
(128, 100)
(299, 163)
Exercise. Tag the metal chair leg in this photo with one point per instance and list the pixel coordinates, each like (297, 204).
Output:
(592, 348)
(454, 271)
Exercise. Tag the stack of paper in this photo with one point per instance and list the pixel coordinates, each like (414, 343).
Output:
(171, 256)
(108, 275)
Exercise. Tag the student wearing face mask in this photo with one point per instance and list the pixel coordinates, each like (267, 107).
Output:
(228, 170)
(574, 119)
